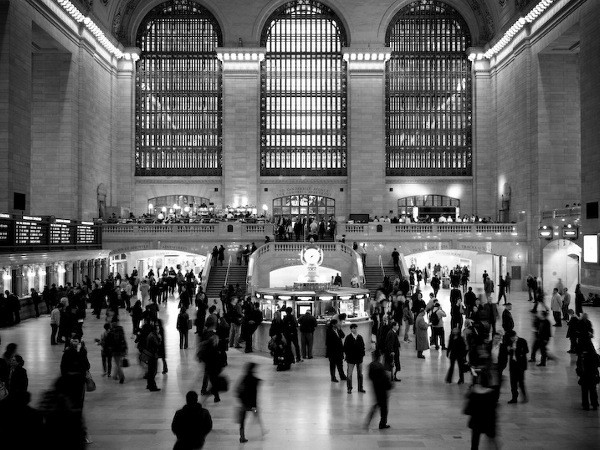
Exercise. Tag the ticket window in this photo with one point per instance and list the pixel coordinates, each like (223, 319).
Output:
(266, 307)
(302, 307)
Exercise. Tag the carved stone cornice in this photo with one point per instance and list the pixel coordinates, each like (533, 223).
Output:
(180, 180)
(303, 180)
(428, 180)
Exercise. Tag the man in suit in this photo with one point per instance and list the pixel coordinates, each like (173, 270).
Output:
(508, 324)
(354, 348)
(392, 351)
(514, 354)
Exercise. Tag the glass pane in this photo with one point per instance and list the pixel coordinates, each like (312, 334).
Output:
(428, 92)
(277, 202)
(178, 92)
(303, 92)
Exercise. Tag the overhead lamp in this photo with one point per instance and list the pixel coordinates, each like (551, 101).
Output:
(545, 232)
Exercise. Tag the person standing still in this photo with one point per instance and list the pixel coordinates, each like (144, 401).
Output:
(354, 348)
(183, 328)
(556, 307)
(335, 350)
(55, 322)
(308, 325)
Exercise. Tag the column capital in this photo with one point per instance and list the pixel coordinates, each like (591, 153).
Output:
(367, 60)
(240, 59)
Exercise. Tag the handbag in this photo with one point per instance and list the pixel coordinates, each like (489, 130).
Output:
(125, 362)
(190, 324)
(90, 385)
(146, 356)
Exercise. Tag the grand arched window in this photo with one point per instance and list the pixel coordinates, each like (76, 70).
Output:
(178, 92)
(303, 92)
(428, 92)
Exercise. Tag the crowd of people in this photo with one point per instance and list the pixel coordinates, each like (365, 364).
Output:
(400, 316)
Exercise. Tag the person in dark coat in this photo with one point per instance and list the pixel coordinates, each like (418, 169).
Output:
(191, 424)
(35, 299)
(290, 331)
(354, 348)
(470, 300)
(457, 352)
(381, 386)
(335, 349)
(579, 299)
(252, 320)
(152, 349)
(308, 324)
(587, 371)
(73, 366)
(209, 353)
(182, 327)
(221, 254)
(392, 351)
(508, 324)
(572, 331)
(136, 316)
(17, 381)
(247, 392)
(514, 354)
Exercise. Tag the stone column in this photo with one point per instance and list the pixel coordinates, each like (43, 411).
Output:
(483, 162)
(104, 268)
(69, 273)
(241, 118)
(589, 66)
(15, 104)
(123, 159)
(19, 281)
(366, 130)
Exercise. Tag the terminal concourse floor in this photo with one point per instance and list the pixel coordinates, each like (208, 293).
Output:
(302, 409)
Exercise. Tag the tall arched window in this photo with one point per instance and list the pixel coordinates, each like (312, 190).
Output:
(428, 92)
(303, 92)
(178, 92)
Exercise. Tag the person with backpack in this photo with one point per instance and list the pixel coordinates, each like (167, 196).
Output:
(183, 328)
(437, 325)
(117, 345)
(247, 393)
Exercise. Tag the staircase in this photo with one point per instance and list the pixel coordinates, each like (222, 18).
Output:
(375, 278)
(216, 279)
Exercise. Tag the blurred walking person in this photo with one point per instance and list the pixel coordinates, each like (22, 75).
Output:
(247, 393)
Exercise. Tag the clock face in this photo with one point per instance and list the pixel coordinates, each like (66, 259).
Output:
(312, 256)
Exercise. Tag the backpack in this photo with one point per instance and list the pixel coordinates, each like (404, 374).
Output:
(434, 318)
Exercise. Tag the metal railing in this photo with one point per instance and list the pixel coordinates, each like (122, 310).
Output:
(227, 273)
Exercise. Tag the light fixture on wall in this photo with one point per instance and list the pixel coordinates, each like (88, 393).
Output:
(545, 232)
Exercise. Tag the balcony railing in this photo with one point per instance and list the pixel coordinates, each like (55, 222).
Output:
(219, 230)
(375, 229)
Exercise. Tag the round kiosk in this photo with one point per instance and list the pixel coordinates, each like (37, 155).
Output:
(323, 299)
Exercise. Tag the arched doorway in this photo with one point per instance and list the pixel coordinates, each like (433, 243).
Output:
(561, 265)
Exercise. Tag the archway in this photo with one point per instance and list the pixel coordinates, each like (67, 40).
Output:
(156, 260)
(561, 264)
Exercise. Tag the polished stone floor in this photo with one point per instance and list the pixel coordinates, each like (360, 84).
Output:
(302, 409)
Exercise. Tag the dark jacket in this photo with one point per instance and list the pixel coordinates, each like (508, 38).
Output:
(333, 342)
(544, 332)
(457, 347)
(516, 358)
(191, 424)
(507, 320)
(248, 391)
(392, 344)
(74, 362)
(276, 328)
(308, 323)
(290, 326)
(354, 348)
(587, 366)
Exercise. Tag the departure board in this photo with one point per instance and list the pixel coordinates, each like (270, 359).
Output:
(30, 233)
(86, 234)
(5, 231)
(61, 234)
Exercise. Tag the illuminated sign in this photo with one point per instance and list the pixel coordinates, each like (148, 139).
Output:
(590, 248)
(545, 232)
(570, 232)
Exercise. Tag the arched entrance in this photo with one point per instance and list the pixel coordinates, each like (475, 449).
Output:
(155, 260)
(561, 265)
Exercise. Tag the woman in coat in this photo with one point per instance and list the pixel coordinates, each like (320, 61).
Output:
(421, 334)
